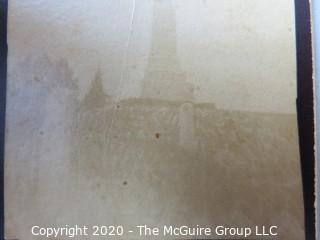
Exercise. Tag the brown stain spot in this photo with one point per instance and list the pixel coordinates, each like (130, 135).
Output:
(125, 183)
(157, 135)
(118, 106)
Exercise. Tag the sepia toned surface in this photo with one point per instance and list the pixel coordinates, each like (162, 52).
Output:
(162, 112)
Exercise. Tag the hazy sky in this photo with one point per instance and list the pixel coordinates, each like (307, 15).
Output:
(239, 54)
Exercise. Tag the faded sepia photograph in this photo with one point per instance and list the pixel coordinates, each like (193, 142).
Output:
(176, 115)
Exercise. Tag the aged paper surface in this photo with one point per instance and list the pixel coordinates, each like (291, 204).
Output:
(152, 112)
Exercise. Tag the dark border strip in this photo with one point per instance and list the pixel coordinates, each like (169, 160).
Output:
(3, 87)
(305, 111)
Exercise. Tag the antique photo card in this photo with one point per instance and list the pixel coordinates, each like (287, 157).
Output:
(152, 119)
